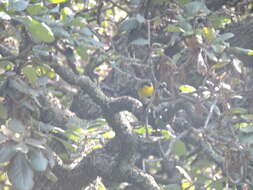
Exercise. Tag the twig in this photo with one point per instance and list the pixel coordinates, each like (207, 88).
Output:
(120, 7)
(210, 112)
(14, 57)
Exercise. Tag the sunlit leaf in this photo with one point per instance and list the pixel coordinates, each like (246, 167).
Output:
(209, 33)
(142, 130)
(173, 28)
(36, 8)
(219, 65)
(30, 74)
(187, 89)
(250, 53)
(109, 135)
(40, 31)
(239, 111)
(57, 1)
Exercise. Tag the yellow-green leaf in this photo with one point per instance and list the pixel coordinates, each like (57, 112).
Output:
(57, 1)
(3, 112)
(31, 75)
(40, 32)
(35, 9)
(179, 148)
(250, 53)
(187, 89)
(208, 33)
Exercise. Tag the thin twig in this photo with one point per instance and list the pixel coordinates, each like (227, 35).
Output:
(210, 112)
(116, 5)
(14, 57)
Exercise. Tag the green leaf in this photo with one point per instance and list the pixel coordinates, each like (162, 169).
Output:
(129, 24)
(211, 56)
(108, 135)
(37, 160)
(248, 129)
(36, 142)
(68, 145)
(40, 31)
(186, 27)
(208, 33)
(225, 36)
(51, 176)
(172, 187)
(246, 137)
(140, 42)
(6, 153)
(36, 9)
(16, 126)
(179, 148)
(7, 65)
(219, 65)
(67, 15)
(31, 75)
(60, 32)
(142, 130)
(218, 184)
(218, 48)
(187, 89)
(20, 173)
(3, 112)
(239, 111)
(18, 5)
(57, 1)
(219, 21)
(195, 8)
(173, 28)
(86, 31)
(182, 2)
(202, 164)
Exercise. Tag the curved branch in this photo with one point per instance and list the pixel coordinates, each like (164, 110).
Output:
(108, 104)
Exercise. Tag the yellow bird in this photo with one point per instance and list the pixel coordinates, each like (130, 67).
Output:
(146, 90)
